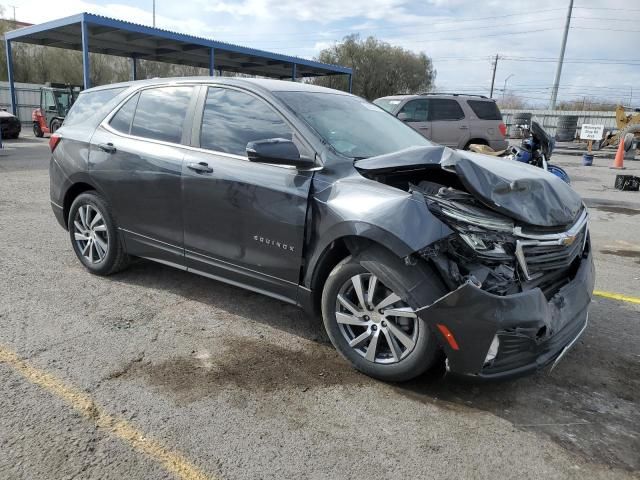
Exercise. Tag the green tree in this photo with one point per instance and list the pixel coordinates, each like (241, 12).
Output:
(379, 68)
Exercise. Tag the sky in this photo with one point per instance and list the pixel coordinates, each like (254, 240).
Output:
(461, 36)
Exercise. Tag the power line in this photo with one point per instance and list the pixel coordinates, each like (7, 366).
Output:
(610, 9)
(421, 23)
(605, 29)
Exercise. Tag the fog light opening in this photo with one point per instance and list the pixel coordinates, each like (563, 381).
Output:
(493, 350)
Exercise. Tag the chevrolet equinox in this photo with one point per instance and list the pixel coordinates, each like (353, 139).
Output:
(413, 253)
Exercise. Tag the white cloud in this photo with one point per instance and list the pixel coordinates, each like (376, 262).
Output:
(453, 32)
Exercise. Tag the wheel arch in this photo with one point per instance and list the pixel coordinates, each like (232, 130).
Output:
(477, 141)
(71, 194)
(351, 240)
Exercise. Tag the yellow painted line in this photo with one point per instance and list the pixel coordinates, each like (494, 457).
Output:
(173, 462)
(617, 296)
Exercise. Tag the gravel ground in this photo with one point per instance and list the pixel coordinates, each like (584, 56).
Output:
(243, 386)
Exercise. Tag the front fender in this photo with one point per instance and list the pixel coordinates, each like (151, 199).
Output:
(393, 218)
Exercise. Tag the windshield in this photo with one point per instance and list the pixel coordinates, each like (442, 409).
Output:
(64, 100)
(389, 104)
(352, 126)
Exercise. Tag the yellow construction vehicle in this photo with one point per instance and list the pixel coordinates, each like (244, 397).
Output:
(628, 127)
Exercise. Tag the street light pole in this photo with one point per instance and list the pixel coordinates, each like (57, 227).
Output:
(504, 88)
(154, 13)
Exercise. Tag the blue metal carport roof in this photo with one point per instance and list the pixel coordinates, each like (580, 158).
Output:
(94, 33)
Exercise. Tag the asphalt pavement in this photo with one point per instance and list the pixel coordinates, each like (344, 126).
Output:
(156, 373)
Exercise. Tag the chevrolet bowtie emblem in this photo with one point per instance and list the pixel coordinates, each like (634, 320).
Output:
(566, 241)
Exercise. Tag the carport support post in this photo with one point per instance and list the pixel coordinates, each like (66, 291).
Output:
(12, 87)
(134, 68)
(350, 82)
(293, 72)
(85, 55)
(212, 62)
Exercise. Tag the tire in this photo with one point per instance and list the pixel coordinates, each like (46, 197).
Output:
(98, 232)
(55, 125)
(627, 135)
(37, 131)
(408, 361)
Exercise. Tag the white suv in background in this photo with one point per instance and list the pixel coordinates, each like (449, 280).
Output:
(450, 119)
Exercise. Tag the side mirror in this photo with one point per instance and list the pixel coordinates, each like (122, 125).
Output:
(403, 116)
(278, 151)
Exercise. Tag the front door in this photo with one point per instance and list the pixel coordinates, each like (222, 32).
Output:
(449, 126)
(415, 114)
(243, 222)
(48, 105)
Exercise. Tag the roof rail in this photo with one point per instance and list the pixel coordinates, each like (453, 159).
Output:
(453, 94)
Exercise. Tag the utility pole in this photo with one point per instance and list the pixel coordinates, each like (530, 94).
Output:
(14, 13)
(493, 77)
(154, 13)
(556, 83)
(504, 88)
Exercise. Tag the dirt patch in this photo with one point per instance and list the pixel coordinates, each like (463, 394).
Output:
(623, 253)
(614, 209)
(249, 364)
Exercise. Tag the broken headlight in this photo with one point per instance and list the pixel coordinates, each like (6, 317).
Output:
(487, 233)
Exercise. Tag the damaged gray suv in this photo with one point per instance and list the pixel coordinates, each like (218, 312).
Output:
(413, 253)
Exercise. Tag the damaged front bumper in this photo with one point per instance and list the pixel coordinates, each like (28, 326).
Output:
(532, 331)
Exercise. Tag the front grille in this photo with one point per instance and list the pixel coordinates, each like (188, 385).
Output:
(539, 254)
(542, 258)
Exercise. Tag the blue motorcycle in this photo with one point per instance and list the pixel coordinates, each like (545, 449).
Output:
(536, 150)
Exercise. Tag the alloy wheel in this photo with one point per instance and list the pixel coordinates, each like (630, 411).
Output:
(90, 233)
(374, 320)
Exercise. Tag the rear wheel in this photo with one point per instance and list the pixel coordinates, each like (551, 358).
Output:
(94, 235)
(373, 327)
(37, 131)
(55, 125)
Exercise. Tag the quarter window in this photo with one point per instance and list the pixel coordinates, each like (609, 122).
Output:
(88, 103)
(231, 119)
(161, 113)
(121, 121)
(485, 109)
(445, 109)
(416, 111)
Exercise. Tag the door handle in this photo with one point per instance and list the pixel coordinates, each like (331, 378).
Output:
(107, 147)
(464, 127)
(201, 167)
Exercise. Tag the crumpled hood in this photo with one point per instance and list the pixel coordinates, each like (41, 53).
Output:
(523, 192)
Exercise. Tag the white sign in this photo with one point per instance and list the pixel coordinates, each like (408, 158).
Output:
(591, 132)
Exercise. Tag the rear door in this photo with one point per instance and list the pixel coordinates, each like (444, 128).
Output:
(415, 114)
(136, 160)
(487, 122)
(449, 126)
(243, 222)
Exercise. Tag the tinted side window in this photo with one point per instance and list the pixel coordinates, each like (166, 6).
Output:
(445, 109)
(161, 113)
(121, 121)
(485, 110)
(87, 104)
(416, 111)
(231, 119)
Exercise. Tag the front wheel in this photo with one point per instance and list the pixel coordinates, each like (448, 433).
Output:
(94, 235)
(373, 327)
(37, 131)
